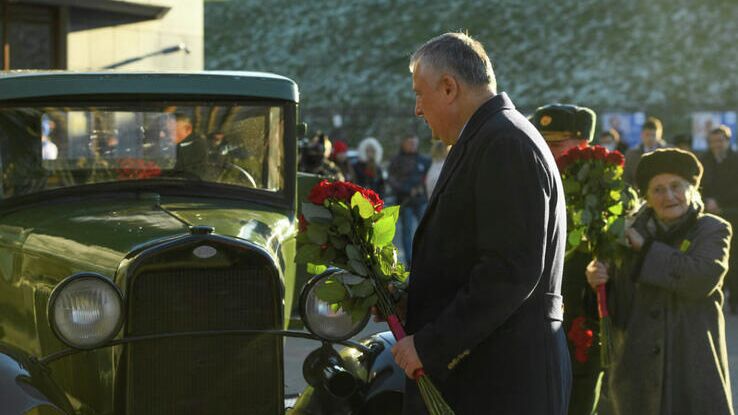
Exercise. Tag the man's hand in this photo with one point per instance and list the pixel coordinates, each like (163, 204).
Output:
(406, 356)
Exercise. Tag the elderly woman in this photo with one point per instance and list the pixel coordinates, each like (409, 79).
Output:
(666, 301)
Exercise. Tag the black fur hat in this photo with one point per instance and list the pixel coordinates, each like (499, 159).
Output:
(668, 160)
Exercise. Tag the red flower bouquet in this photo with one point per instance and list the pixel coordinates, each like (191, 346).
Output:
(137, 169)
(346, 226)
(597, 202)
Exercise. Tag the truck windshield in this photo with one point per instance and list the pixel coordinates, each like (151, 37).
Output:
(49, 147)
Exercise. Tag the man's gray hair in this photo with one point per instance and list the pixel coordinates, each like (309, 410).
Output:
(458, 54)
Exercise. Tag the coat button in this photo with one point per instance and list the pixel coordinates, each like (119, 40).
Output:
(656, 350)
(655, 313)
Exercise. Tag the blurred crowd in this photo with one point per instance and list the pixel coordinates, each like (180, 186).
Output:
(408, 177)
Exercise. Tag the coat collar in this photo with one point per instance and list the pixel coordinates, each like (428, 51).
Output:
(492, 106)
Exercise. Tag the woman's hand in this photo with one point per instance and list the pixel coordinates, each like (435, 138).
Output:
(635, 240)
(596, 274)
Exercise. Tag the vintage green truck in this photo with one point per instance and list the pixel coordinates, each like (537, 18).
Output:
(147, 245)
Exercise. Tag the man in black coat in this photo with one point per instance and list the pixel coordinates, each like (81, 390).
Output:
(192, 149)
(484, 307)
(721, 196)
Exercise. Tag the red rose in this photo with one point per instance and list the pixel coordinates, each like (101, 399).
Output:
(374, 199)
(343, 191)
(319, 192)
(563, 161)
(586, 153)
(616, 158)
(600, 153)
(302, 223)
(582, 339)
(574, 154)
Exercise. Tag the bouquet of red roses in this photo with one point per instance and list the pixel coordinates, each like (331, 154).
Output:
(347, 226)
(597, 202)
(137, 169)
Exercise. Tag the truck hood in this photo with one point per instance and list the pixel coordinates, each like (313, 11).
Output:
(95, 234)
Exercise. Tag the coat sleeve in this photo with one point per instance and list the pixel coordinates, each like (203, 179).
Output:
(695, 273)
(511, 210)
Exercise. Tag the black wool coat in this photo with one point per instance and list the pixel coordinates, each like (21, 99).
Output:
(484, 298)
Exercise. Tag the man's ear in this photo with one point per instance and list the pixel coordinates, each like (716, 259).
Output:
(449, 87)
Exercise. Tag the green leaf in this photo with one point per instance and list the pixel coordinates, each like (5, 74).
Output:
(583, 172)
(393, 212)
(315, 269)
(363, 289)
(353, 252)
(338, 242)
(572, 186)
(327, 255)
(340, 209)
(316, 214)
(308, 253)
(343, 225)
(349, 278)
(358, 267)
(586, 217)
(366, 210)
(615, 195)
(575, 237)
(357, 313)
(383, 231)
(591, 200)
(317, 233)
(369, 301)
(617, 228)
(331, 291)
(616, 209)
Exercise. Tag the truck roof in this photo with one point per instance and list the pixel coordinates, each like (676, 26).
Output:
(34, 85)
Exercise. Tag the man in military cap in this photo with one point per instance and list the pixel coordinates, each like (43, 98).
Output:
(565, 126)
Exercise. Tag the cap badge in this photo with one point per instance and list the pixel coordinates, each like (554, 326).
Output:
(546, 120)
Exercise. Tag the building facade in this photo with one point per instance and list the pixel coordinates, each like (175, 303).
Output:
(102, 34)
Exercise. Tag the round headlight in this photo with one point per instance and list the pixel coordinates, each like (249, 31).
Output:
(85, 310)
(321, 318)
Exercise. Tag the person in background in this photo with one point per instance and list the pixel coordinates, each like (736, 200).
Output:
(439, 152)
(611, 140)
(669, 347)
(49, 150)
(564, 127)
(368, 169)
(721, 195)
(192, 149)
(407, 172)
(682, 142)
(314, 157)
(340, 159)
(652, 133)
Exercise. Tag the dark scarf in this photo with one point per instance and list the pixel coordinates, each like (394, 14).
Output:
(652, 231)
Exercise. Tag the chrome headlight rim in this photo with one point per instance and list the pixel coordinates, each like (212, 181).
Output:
(304, 296)
(59, 289)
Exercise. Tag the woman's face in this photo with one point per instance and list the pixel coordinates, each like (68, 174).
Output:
(370, 153)
(670, 196)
